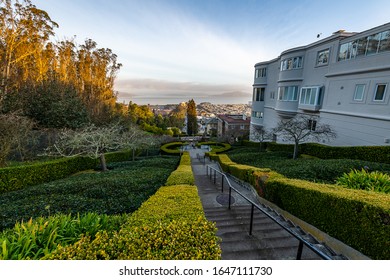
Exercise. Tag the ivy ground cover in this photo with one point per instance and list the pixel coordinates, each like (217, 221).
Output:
(120, 190)
(310, 169)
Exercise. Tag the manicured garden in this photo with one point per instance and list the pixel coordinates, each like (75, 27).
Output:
(306, 167)
(125, 213)
(306, 188)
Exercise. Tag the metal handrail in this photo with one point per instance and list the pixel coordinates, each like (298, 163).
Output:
(254, 205)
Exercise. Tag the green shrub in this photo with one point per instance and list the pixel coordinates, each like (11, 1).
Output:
(364, 180)
(36, 238)
(18, 177)
(172, 148)
(15, 178)
(358, 218)
(183, 174)
(217, 147)
(170, 225)
(366, 153)
(121, 190)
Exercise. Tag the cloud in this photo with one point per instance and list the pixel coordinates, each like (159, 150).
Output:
(162, 91)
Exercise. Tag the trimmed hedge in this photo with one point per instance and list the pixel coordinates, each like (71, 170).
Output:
(358, 218)
(368, 153)
(18, 177)
(172, 148)
(222, 147)
(169, 226)
(14, 178)
(183, 174)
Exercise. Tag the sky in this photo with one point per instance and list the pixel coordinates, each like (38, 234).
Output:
(176, 50)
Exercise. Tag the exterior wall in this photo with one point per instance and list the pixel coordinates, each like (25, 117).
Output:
(357, 121)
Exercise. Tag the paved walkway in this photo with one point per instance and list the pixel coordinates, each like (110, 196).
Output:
(268, 239)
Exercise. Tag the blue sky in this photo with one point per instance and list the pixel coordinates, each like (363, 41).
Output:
(175, 50)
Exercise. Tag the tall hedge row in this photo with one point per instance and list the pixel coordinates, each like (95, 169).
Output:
(358, 218)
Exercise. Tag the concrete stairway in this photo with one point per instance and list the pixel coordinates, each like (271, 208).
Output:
(268, 239)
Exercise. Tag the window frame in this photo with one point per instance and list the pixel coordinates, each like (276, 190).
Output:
(362, 93)
(321, 62)
(291, 63)
(376, 92)
(258, 94)
(310, 93)
(282, 93)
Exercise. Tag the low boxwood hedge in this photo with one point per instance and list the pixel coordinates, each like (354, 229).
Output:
(217, 147)
(183, 174)
(169, 226)
(358, 218)
(172, 148)
(18, 177)
(368, 153)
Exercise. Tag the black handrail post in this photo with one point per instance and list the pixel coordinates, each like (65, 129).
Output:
(300, 249)
(230, 196)
(251, 224)
(222, 177)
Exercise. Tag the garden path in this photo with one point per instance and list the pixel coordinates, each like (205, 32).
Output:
(268, 239)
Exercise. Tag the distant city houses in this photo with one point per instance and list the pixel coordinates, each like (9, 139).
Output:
(342, 79)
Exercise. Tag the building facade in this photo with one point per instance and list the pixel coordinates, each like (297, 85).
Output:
(233, 126)
(343, 79)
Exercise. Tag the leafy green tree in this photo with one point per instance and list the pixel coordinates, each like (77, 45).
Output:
(55, 104)
(192, 121)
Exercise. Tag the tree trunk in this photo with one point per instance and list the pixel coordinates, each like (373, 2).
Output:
(295, 155)
(103, 164)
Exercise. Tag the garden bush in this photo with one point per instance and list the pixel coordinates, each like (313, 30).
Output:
(365, 180)
(172, 148)
(366, 153)
(120, 190)
(217, 147)
(358, 218)
(169, 226)
(39, 237)
(183, 174)
(307, 168)
(18, 177)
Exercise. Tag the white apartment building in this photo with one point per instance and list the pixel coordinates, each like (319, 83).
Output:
(343, 79)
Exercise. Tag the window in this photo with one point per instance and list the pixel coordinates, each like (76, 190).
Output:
(257, 114)
(361, 47)
(373, 43)
(344, 52)
(312, 125)
(272, 95)
(380, 92)
(368, 45)
(289, 93)
(384, 45)
(359, 92)
(258, 94)
(261, 72)
(323, 57)
(291, 63)
(310, 96)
